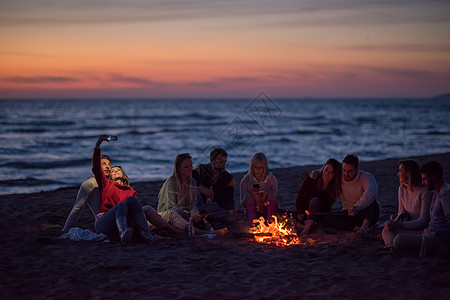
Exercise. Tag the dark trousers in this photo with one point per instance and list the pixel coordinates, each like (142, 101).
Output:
(107, 224)
(343, 221)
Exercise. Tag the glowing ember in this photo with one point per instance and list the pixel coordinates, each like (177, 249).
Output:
(277, 233)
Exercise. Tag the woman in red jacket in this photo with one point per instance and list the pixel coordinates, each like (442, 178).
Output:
(120, 210)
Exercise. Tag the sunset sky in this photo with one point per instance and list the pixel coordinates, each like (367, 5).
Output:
(219, 49)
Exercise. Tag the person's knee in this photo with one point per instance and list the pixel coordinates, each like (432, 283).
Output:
(131, 200)
(400, 241)
(149, 211)
(133, 205)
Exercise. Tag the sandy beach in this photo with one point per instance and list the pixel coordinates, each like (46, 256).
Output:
(36, 264)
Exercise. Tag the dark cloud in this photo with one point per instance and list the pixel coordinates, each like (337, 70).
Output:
(39, 79)
(301, 13)
(400, 72)
(400, 48)
(238, 80)
(129, 79)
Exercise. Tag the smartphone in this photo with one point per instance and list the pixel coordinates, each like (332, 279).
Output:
(256, 186)
(112, 138)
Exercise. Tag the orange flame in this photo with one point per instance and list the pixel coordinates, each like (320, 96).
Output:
(275, 232)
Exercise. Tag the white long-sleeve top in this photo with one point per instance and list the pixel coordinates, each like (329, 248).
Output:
(417, 204)
(360, 192)
(170, 198)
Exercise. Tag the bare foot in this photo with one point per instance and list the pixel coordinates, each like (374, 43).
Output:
(221, 232)
(307, 228)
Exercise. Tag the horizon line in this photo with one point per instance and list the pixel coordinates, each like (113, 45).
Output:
(443, 95)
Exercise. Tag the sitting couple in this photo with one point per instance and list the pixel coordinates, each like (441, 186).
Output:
(422, 223)
(356, 188)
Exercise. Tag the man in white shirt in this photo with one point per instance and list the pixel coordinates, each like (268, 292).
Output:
(359, 193)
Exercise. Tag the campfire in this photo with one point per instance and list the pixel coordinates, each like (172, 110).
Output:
(274, 232)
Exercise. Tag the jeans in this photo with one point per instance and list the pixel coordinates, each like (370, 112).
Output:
(107, 223)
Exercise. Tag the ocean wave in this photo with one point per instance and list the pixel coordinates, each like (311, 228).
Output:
(196, 116)
(367, 120)
(27, 182)
(46, 164)
(436, 132)
(305, 132)
(141, 132)
(48, 123)
(321, 131)
(26, 130)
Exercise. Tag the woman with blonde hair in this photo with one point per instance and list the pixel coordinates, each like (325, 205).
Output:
(180, 190)
(258, 189)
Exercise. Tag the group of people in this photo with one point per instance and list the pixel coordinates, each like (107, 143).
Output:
(423, 217)
(191, 199)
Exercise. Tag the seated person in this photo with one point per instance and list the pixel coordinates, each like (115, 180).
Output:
(413, 203)
(88, 194)
(216, 185)
(436, 237)
(179, 194)
(258, 189)
(318, 195)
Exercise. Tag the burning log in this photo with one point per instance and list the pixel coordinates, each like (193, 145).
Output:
(277, 233)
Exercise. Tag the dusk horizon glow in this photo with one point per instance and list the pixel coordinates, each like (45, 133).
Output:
(156, 49)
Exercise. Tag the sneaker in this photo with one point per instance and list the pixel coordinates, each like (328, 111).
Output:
(150, 238)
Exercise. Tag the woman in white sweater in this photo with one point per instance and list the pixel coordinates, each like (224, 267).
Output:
(413, 203)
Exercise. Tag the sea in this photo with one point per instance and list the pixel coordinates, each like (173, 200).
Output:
(48, 144)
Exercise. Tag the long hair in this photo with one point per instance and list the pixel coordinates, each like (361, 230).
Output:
(334, 186)
(184, 189)
(125, 179)
(259, 157)
(411, 166)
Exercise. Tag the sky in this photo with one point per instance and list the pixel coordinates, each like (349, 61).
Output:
(224, 49)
